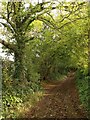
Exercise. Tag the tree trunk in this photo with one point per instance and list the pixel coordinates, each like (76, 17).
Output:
(89, 38)
(19, 55)
(89, 53)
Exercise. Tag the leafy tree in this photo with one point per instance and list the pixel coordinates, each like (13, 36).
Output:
(45, 45)
(59, 50)
(18, 21)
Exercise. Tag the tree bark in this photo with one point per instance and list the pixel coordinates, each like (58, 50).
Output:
(19, 55)
(89, 38)
(89, 52)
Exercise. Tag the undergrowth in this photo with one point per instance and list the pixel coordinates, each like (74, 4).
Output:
(17, 99)
(82, 80)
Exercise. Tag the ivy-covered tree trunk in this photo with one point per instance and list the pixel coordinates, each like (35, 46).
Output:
(19, 66)
(89, 38)
(19, 55)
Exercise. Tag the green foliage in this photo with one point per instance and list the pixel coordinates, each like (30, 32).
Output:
(83, 86)
(16, 98)
(44, 49)
(17, 95)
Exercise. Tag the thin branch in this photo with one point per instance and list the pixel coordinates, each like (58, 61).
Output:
(65, 17)
(72, 21)
(35, 11)
(50, 16)
(29, 22)
(37, 16)
(7, 45)
(71, 12)
(50, 24)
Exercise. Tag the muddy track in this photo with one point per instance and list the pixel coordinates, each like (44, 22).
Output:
(60, 100)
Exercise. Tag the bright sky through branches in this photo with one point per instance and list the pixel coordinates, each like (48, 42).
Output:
(35, 1)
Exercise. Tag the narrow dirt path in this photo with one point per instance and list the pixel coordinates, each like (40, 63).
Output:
(60, 101)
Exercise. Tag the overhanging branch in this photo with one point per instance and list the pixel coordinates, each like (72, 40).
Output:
(50, 24)
(34, 10)
(72, 21)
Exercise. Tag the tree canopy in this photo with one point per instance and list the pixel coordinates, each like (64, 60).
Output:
(47, 39)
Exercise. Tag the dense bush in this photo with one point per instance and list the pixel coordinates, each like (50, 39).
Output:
(16, 95)
(82, 80)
